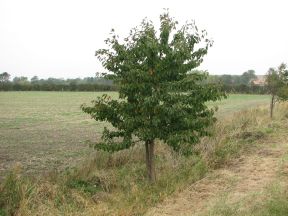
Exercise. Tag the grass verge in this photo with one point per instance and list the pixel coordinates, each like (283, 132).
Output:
(115, 184)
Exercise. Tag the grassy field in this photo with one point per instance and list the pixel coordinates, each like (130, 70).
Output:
(116, 184)
(47, 130)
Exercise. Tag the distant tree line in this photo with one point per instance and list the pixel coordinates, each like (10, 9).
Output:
(245, 89)
(239, 83)
(230, 83)
(53, 84)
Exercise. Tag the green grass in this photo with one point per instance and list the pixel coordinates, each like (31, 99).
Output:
(111, 184)
(46, 130)
(237, 102)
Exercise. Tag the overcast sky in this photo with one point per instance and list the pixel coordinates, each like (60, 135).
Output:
(58, 38)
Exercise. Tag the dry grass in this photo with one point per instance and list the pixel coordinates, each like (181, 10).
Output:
(115, 184)
(233, 135)
(246, 150)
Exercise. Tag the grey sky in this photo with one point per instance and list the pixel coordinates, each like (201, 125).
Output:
(58, 38)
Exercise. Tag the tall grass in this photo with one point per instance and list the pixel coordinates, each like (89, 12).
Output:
(234, 134)
(115, 184)
(273, 203)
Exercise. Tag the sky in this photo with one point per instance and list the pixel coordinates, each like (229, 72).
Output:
(58, 38)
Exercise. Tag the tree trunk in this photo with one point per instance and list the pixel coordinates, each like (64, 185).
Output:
(272, 106)
(149, 146)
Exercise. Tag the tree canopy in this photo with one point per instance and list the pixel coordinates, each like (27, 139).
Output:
(277, 83)
(4, 77)
(158, 97)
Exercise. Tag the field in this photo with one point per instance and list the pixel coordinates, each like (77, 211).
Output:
(47, 130)
(241, 169)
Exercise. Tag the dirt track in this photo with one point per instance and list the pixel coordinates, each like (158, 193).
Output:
(247, 175)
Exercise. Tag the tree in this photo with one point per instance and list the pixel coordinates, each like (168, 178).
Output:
(158, 97)
(277, 84)
(34, 79)
(4, 77)
(247, 76)
(21, 80)
(227, 79)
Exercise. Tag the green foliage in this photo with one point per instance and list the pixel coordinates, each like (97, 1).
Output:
(234, 80)
(54, 84)
(159, 98)
(4, 77)
(247, 77)
(277, 82)
(239, 83)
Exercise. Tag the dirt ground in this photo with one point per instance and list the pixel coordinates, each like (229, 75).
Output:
(249, 174)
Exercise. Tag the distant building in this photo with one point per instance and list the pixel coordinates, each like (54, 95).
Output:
(259, 81)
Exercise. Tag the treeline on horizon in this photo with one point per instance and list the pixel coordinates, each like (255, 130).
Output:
(56, 84)
(230, 83)
(239, 83)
